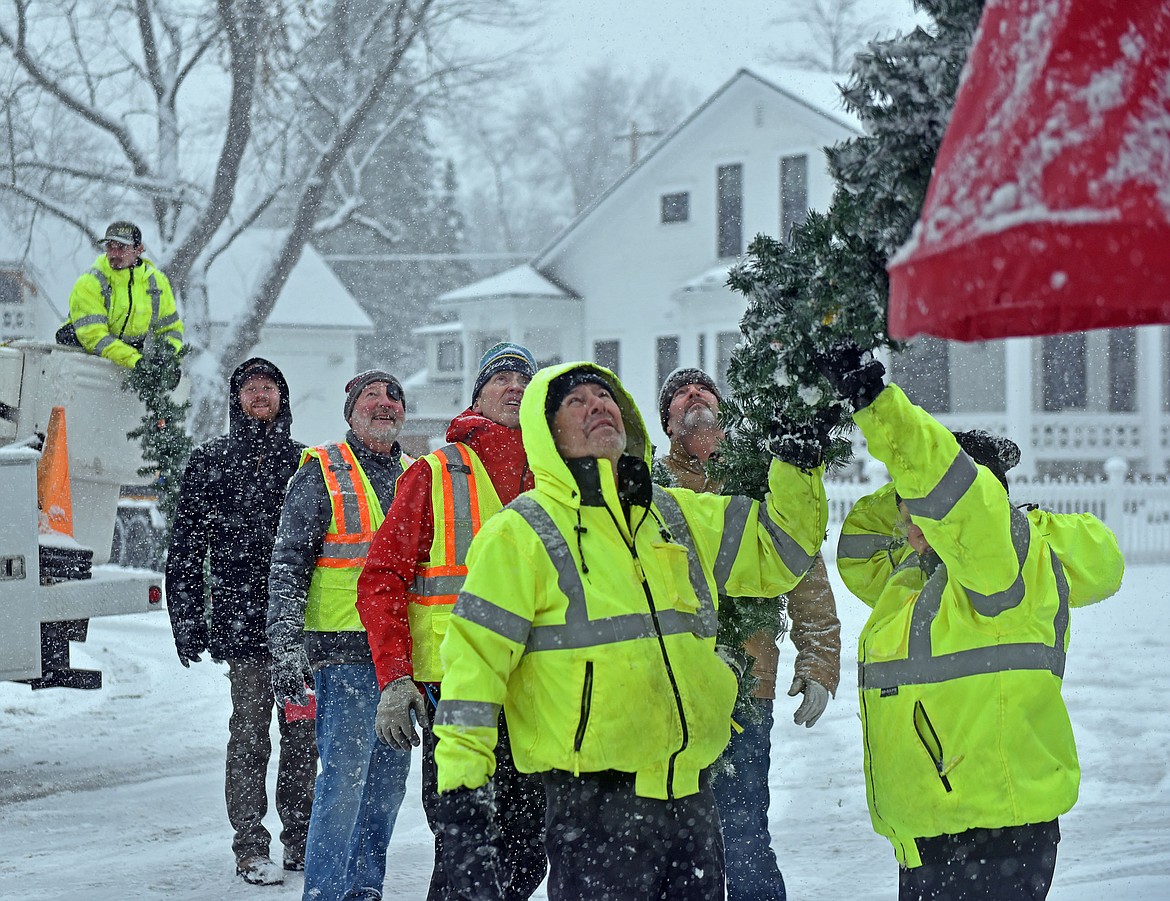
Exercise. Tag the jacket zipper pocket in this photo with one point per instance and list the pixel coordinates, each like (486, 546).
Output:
(586, 704)
(931, 742)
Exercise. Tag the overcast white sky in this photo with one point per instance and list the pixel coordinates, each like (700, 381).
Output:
(702, 41)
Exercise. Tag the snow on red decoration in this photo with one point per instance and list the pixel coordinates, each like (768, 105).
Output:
(1049, 206)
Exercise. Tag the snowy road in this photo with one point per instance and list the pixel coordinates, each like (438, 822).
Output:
(118, 794)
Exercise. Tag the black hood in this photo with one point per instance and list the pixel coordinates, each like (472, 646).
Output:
(239, 423)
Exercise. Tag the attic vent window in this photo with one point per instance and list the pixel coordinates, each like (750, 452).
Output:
(9, 286)
(676, 207)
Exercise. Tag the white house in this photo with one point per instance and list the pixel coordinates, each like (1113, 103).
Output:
(311, 333)
(636, 282)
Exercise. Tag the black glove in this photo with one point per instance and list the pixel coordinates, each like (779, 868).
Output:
(471, 841)
(803, 444)
(291, 673)
(854, 373)
(190, 643)
(737, 660)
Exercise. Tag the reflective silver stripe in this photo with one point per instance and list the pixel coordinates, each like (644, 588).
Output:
(495, 619)
(350, 505)
(167, 321)
(994, 604)
(734, 523)
(925, 610)
(579, 631)
(792, 554)
(436, 586)
(975, 662)
(943, 497)
(1060, 622)
(345, 550)
(862, 547)
(920, 667)
(103, 342)
(461, 501)
(568, 578)
(104, 284)
(467, 714)
(707, 618)
(155, 293)
(95, 319)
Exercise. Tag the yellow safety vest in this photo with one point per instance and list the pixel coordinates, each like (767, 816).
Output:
(462, 499)
(331, 605)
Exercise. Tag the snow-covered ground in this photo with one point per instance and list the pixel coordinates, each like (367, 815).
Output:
(117, 794)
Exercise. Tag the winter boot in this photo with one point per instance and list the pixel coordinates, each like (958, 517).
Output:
(259, 871)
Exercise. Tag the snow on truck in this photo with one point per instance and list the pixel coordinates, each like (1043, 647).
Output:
(64, 457)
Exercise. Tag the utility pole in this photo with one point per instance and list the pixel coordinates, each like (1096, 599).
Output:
(632, 136)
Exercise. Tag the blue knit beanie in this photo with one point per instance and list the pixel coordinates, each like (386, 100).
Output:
(504, 357)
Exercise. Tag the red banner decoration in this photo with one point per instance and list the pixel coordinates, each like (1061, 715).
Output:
(1049, 207)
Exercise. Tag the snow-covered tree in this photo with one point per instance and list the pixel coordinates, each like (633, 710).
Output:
(829, 282)
(823, 35)
(544, 152)
(188, 113)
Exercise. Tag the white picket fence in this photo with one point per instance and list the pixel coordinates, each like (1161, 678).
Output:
(1137, 510)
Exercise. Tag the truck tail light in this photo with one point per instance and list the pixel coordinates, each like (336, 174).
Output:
(154, 595)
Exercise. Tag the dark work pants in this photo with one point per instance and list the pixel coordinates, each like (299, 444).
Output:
(1013, 864)
(519, 817)
(607, 844)
(249, 748)
(741, 790)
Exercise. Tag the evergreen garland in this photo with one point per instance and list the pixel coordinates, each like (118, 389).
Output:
(165, 443)
(828, 283)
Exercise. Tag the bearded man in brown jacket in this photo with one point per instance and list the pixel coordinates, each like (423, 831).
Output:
(688, 406)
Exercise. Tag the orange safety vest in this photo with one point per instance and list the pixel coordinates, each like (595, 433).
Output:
(462, 499)
(331, 605)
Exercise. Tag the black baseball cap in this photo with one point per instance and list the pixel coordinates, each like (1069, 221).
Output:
(123, 233)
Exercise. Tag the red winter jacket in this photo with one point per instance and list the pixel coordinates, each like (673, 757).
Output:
(404, 539)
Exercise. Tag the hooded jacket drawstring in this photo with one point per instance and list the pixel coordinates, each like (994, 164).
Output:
(581, 530)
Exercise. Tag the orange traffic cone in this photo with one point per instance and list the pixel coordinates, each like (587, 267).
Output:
(54, 496)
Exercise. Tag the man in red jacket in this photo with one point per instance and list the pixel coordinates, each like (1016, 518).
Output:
(413, 574)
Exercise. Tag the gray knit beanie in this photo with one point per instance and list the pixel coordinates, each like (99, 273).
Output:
(354, 387)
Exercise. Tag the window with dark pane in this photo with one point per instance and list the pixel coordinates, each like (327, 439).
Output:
(923, 371)
(1064, 373)
(450, 355)
(729, 209)
(793, 193)
(608, 354)
(667, 354)
(725, 343)
(1122, 370)
(676, 207)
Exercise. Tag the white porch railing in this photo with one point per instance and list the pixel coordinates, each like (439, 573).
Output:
(1138, 511)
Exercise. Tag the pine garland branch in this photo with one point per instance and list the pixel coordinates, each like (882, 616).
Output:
(166, 446)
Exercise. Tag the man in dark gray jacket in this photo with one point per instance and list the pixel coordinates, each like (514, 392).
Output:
(334, 505)
(229, 507)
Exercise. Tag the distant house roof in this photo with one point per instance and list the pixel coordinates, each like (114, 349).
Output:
(438, 328)
(815, 90)
(820, 91)
(312, 296)
(519, 281)
(715, 277)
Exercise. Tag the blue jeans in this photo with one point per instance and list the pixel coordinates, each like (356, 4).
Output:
(742, 796)
(359, 789)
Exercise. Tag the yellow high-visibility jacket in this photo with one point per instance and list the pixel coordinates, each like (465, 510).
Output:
(114, 309)
(961, 661)
(596, 632)
(460, 503)
(331, 604)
